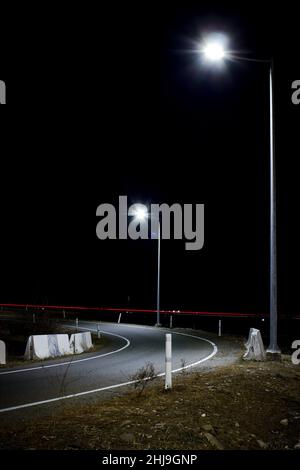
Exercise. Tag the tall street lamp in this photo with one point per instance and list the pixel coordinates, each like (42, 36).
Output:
(158, 278)
(214, 51)
(140, 213)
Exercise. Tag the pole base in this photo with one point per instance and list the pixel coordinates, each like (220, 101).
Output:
(273, 355)
(158, 325)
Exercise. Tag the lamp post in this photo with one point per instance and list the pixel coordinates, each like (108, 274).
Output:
(158, 279)
(273, 348)
(140, 213)
(214, 51)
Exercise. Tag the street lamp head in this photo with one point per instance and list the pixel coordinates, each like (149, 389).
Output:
(214, 51)
(213, 47)
(138, 211)
(141, 213)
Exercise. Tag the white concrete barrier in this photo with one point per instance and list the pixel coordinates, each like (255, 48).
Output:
(81, 342)
(37, 347)
(64, 344)
(249, 337)
(255, 346)
(45, 346)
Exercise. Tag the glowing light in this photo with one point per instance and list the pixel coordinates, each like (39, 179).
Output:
(214, 51)
(141, 214)
(214, 47)
(138, 211)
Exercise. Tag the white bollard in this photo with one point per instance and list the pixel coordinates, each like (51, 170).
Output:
(98, 331)
(168, 377)
(220, 327)
(64, 314)
(2, 352)
(33, 318)
(119, 319)
(171, 321)
(77, 323)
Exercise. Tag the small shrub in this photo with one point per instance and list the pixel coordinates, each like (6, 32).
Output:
(183, 365)
(143, 377)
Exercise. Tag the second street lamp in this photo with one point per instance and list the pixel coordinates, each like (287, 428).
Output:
(158, 278)
(213, 49)
(140, 213)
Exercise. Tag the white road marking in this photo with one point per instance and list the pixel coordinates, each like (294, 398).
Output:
(67, 363)
(123, 384)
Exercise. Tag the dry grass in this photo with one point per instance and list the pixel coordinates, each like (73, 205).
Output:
(234, 407)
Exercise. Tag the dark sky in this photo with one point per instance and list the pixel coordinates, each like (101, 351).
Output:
(111, 102)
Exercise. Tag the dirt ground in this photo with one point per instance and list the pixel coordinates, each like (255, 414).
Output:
(245, 405)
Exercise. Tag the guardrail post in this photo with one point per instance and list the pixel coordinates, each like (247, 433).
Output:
(168, 377)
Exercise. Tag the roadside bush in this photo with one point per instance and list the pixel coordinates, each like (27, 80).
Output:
(143, 377)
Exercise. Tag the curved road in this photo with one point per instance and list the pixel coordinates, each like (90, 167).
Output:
(130, 348)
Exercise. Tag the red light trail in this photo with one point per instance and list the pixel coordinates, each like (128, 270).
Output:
(132, 310)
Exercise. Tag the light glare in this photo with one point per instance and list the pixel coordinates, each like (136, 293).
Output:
(139, 212)
(214, 47)
(214, 51)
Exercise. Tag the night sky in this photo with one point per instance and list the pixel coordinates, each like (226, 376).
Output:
(113, 102)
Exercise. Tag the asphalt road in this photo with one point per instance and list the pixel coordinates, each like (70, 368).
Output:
(130, 347)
